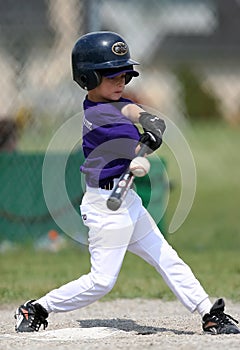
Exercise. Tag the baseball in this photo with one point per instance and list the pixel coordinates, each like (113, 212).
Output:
(139, 166)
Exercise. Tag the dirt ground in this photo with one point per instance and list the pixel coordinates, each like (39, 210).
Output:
(119, 324)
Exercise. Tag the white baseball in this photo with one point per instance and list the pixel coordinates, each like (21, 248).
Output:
(139, 166)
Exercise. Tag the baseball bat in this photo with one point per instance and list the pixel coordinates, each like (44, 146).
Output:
(123, 184)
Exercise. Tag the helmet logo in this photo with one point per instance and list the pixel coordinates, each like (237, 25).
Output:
(120, 48)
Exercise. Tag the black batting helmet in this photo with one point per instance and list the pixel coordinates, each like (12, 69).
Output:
(100, 53)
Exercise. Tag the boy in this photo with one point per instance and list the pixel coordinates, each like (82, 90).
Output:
(102, 65)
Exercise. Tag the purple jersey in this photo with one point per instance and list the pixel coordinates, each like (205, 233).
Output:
(109, 141)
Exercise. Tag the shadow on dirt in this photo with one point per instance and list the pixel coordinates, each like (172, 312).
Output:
(128, 325)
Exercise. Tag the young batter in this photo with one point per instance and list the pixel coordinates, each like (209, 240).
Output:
(102, 65)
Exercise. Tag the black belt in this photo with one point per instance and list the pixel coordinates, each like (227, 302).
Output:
(109, 186)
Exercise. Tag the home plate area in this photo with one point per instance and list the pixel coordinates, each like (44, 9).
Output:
(77, 333)
(68, 334)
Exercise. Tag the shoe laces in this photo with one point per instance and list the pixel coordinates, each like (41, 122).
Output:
(37, 319)
(223, 318)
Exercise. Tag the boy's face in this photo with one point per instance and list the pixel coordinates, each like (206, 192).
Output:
(110, 89)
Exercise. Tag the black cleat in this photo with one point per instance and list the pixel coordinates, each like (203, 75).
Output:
(29, 317)
(217, 322)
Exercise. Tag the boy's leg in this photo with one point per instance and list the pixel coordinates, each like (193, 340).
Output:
(109, 237)
(73, 295)
(153, 248)
(105, 267)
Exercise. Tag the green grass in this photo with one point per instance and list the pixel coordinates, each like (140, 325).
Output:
(209, 239)
(27, 275)
(214, 218)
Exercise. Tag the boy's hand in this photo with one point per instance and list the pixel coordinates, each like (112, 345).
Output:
(149, 122)
(153, 141)
(154, 128)
(152, 123)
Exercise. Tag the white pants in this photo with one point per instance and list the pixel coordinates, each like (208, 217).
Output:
(111, 234)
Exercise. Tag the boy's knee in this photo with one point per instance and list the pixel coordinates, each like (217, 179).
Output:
(103, 283)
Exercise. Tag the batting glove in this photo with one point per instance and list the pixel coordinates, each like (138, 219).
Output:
(154, 128)
(151, 141)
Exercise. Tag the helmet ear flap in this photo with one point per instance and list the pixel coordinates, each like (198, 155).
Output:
(88, 79)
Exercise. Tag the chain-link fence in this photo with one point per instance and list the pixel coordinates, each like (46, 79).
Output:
(189, 54)
(172, 40)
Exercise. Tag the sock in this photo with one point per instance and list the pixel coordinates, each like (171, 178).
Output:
(204, 307)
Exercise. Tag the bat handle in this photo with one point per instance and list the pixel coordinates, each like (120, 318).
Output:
(115, 200)
(144, 148)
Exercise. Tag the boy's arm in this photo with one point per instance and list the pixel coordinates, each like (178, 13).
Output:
(153, 126)
(132, 112)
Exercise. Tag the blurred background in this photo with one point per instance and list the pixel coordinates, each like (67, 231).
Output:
(189, 52)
